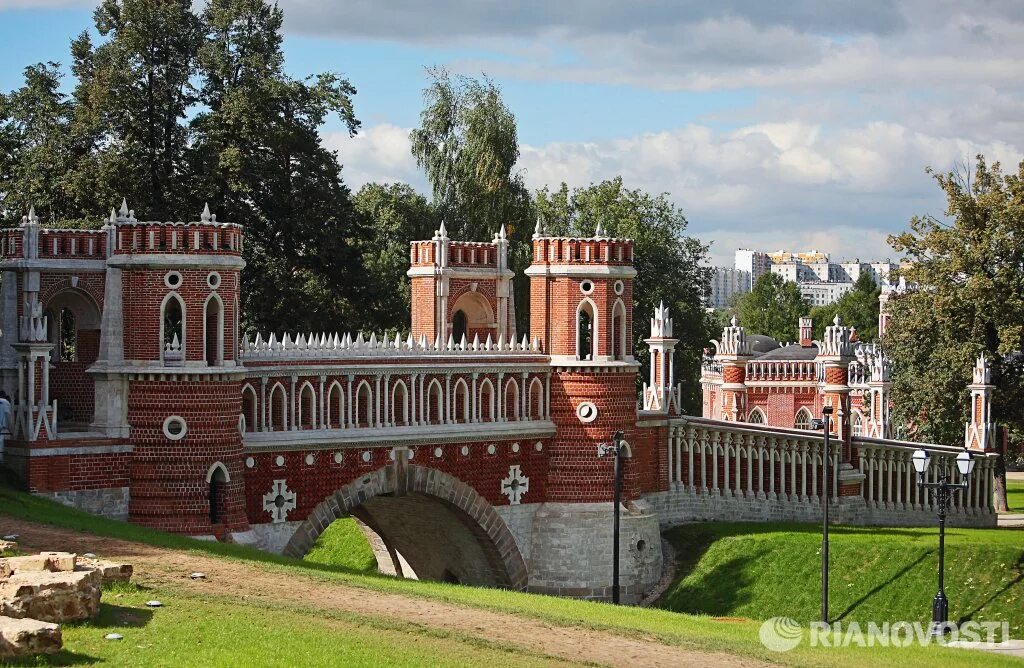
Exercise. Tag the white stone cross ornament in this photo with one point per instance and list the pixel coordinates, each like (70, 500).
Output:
(515, 485)
(279, 501)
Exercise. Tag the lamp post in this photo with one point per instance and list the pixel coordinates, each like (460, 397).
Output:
(616, 448)
(944, 490)
(826, 424)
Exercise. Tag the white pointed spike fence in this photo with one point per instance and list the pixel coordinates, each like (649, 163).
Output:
(332, 346)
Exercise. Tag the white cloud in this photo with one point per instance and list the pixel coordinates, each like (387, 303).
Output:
(779, 185)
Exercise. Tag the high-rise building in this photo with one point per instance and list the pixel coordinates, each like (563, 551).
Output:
(725, 283)
(756, 263)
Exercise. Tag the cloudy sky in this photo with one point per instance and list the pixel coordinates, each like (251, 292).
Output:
(806, 124)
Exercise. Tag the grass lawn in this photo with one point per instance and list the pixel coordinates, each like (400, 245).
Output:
(195, 630)
(343, 544)
(1015, 495)
(877, 574)
(737, 636)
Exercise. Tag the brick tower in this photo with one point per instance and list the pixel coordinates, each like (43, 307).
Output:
(167, 377)
(461, 289)
(980, 432)
(734, 351)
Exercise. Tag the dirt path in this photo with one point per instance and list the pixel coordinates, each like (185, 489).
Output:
(234, 579)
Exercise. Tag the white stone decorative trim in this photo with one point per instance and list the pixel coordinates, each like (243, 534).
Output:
(310, 459)
(183, 259)
(619, 287)
(213, 280)
(586, 411)
(581, 270)
(172, 420)
(279, 460)
(584, 286)
(250, 462)
(338, 457)
(279, 501)
(515, 485)
(173, 279)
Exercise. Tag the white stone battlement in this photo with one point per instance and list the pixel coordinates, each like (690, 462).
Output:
(333, 346)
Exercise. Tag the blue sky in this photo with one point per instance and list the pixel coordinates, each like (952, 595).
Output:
(807, 127)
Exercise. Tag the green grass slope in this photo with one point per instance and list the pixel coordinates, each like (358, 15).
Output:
(343, 544)
(877, 574)
(221, 627)
(1015, 496)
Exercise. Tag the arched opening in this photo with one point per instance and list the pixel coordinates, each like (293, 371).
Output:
(857, 424)
(249, 408)
(586, 326)
(618, 333)
(435, 403)
(756, 417)
(803, 419)
(277, 419)
(172, 330)
(486, 401)
(511, 400)
(459, 328)
(213, 331)
(335, 406)
(476, 316)
(443, 531)
(536, 399)
(216, 480)
(400, 404)
(364, 405)
(461, 408)
(307, 407)
(68, 333)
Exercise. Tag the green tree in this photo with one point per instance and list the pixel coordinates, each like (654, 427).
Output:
(773, 308)
(967, 299)
(259, 159)
(34, 122)
(857, 308)
(670, 266)
(396, 215)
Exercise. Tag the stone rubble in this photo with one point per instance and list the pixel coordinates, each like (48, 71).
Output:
(40, 591)
(27, 637)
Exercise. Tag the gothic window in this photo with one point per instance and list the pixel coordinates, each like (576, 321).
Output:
(173, 324)
(435, 403)
(364, 405)
(213, 331)
(278, 409)
(857, 424)
(536, 399)
(217, 480)
(335, 406)
(486, 401)
(511, 400)
(400, 404)
(586, 321)
(619, 343)
(307, 407)
(756, 417)
(249, 410)
(461, 397)
(459, 326)
(803, 419)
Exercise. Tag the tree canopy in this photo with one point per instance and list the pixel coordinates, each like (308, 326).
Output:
(966, 298)
(772, 308)
(858, 308)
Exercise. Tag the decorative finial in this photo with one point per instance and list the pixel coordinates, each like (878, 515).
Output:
(205, 216)
(733, 321)
(442, 231)
(599, 232)
(32, 214)
(837, 320)
(501, 232)
(538, 231)
(113, 215)
(124, 207)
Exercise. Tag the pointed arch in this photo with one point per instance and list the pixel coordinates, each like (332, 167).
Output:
(512, 400)
(460, 401)
(536, 399)
(306, 419)
(217, 478)
(173, 321)
(335, 406)
(586, 330)
(620, 343)
(857, 423)
(487, 403)
(803, 419)
(435, 402)
(756, 416)
(250, 408)
(277, 409)
(364, 404)
(400, 404)
(213, 330)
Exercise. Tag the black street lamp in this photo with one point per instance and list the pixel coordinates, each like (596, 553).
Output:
(826, 424)
(617, 448)
(944, 490)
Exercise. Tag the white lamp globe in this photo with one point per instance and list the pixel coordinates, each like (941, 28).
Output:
(965, 463)
(921, 460)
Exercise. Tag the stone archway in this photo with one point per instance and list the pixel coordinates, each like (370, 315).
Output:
(466, 537)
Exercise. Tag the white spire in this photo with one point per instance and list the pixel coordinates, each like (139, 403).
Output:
(205, 216)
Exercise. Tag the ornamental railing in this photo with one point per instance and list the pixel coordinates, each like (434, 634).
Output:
(334, 346)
